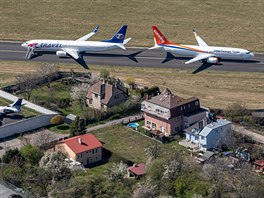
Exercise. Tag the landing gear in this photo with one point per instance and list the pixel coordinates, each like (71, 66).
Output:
(30, 53)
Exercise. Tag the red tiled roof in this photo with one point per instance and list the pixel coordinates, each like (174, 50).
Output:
(88, 142)
(139, 169)
(259, 162)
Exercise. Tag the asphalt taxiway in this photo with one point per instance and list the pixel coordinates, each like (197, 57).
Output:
(136, 57)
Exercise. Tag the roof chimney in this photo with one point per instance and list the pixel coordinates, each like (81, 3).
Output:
(80, 140)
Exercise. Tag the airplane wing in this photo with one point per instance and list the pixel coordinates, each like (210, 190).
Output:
(87, 36)
(72, 52)
(76, 56)
(200, 56)
(199, 40)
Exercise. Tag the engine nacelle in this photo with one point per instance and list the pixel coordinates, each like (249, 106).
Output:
(61, 54)
(212, 60)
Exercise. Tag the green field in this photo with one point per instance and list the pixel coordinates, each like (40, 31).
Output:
(226, 22)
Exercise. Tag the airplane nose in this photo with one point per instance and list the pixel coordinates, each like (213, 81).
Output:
(24, 45)
(251, 54)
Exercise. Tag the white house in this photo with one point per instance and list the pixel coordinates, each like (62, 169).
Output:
(210, 136)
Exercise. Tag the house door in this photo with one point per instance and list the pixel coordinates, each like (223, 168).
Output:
(162, 129)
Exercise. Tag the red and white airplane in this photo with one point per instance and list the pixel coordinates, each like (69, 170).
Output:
(201, 52)
(76, 49)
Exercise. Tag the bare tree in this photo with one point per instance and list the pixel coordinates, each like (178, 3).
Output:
(27, 83)
(47, 72)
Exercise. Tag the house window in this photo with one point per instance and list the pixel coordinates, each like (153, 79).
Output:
(92, 151)
(189, 106)
(148, 123)
(154, 125)
(96, 95)
(181, 108)
(96, 150)
(196, 103)
(202, 137)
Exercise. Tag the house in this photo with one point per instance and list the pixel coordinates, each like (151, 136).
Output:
(259, 166)
(85, 149)
(168, 114)
(210, 136)
(103, 96)
(137, 170)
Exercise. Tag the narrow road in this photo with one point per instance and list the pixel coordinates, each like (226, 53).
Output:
(255, 136)
(115, 122)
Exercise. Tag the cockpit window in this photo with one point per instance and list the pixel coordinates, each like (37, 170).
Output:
(247, 52)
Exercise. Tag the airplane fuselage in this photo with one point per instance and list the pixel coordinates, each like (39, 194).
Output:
(82, 46)
(220, 52)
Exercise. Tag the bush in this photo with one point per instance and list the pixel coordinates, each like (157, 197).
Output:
(57, 119)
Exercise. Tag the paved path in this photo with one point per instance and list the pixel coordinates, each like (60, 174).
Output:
(115, 122)
(35, 138)
(255, 136)
(27, 104)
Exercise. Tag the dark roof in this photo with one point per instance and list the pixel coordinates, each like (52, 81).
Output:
(106, 91)
(168, 100)
(139, 169)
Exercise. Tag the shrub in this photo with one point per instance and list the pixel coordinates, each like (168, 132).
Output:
(57, 119)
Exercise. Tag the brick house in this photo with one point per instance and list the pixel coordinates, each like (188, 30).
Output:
(168, 114)
(85, 149)
(103, 96)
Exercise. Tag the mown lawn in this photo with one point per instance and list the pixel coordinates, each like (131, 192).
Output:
(228, 23)
(128, 144)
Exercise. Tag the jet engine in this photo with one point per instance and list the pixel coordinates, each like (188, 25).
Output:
(212, 60)
(61, 54)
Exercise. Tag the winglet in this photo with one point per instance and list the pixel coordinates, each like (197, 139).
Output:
(96, 29)
(87, 36)
(199, 40)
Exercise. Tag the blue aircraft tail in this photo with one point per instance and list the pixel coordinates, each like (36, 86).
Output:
(119, 36)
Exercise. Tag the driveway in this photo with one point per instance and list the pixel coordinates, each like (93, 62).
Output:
(34, 138)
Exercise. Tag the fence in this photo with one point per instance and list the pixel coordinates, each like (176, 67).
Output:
(25, 125)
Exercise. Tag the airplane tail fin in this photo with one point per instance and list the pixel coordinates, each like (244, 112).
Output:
(119, 36)
(159, 38)
(17, 104)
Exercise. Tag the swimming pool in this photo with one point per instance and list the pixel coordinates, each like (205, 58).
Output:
(133, 125)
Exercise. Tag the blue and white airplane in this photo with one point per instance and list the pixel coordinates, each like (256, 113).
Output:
(75, 49)
(12, 108)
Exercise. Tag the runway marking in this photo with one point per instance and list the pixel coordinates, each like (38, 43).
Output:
(12, 51)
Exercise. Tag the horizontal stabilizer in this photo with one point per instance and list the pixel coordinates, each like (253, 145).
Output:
(155, 47)
(126, 40)
(121, 45)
